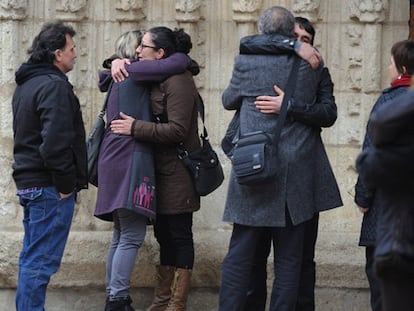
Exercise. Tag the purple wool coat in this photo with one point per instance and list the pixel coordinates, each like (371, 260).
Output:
(126, 173)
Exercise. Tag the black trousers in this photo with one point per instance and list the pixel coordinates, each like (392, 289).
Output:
(175, 236)
(257, 293)
(374, 284)
(396, 276)
(238, 266)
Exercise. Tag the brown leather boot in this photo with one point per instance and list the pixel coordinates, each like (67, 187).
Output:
(162, 292)
(180, 289)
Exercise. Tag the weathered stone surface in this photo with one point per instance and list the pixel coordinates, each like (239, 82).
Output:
(354, 38)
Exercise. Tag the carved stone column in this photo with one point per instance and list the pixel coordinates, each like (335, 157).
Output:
(71, 10)
(306, 8)
(245, 14)
(188, 11)
(363, 66)
(129, 10)
(371, 15)
(12, 13)
(13, 10)
(188, 17)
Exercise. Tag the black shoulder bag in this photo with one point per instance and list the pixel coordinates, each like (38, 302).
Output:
(255, 153)
(202, 163)
(93, 142)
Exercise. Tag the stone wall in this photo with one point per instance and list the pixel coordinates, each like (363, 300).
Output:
(354, 37)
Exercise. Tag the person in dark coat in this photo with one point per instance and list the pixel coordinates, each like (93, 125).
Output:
(322, 113)
(369, 197)
(304, 185)
(175, 107)
(126, 173)
(50, 161)
(388, 167)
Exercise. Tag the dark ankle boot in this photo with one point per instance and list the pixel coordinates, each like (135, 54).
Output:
(119, 304)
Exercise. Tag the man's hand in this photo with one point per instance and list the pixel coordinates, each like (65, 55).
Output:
(64, 195)
(122, 126)
(118, 70)
(270, 104)
(310, 54)
(363, 210)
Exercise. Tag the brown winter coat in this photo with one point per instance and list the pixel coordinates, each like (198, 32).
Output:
(175, 102)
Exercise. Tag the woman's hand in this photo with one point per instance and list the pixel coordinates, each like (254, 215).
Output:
(270, 104)
(118, 71)
(123, 125)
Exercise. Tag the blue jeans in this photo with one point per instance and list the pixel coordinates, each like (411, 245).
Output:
(46, 222)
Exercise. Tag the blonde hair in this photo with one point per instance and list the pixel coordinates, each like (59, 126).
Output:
(127, 43)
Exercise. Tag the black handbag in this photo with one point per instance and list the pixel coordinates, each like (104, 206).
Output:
(93, 143)
(255, 153)
(202, 163)
(254, 157)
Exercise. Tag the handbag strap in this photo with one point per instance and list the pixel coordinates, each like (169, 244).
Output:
(105, 104)
(291, 83)
(181, 150)
(201, 113)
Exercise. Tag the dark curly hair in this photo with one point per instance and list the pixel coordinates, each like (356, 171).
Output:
(51, 38)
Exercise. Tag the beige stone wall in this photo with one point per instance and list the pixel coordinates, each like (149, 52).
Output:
(354, 37)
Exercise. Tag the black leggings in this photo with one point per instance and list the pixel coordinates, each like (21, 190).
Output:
(175, 237)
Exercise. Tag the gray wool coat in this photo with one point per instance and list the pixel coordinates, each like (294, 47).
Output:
(305, 183)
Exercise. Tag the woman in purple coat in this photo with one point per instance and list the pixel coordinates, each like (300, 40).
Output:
(126, 192)
(174, 103)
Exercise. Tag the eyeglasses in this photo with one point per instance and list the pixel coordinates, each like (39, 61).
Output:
(142, 46)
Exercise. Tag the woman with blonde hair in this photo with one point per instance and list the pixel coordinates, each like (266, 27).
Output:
(174, 103)
(126, 190)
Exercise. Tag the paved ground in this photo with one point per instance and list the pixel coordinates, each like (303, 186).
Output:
(201, 299)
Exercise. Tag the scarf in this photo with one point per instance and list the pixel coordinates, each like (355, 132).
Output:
(402, 80)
